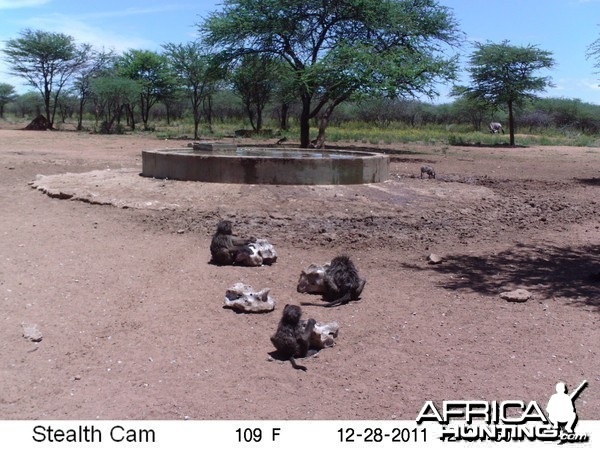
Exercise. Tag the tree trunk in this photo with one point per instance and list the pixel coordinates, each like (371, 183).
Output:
(47, 107)
(511, 122)
(250, 113)
(305, 123)
(145, 111)
(208, 112)
(324, 121)
(197, 117)
(168, 111)
(258, 119)
(284, 116)
(80, 114)
(130, 117)
(320, 141)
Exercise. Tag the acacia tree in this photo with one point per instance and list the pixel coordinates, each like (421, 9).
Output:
(151, 71)
(111, 95)
(7, 95)
(471, 107)
(593, 52)
(47, 61)
(197, 71)
(28, 104)
(255, 80)
(285, 93)
(503, 75)
(339, 49)
(98, 64)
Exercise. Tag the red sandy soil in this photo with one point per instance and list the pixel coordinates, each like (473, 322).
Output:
(132, 316)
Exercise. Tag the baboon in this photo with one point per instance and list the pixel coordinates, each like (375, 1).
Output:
(428, 170)
(292, 340)
(342, 282)
(225, 247)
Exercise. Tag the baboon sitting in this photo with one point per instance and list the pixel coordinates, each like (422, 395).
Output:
(428, 170)
(342, 282)
(225, 247)
(292, 339)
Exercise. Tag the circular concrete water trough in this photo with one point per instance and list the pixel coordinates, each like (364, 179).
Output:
(222, 163)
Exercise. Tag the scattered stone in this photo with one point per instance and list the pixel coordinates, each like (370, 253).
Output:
(434, 259)
(32, 333)
(518, 295)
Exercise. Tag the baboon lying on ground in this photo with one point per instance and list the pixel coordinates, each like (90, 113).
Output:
(292, 339)
(338, 281)
(224, 247)
(428, 170)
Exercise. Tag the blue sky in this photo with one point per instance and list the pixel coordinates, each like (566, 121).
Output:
(564, 27)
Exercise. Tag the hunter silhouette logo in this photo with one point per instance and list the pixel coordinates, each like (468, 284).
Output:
(509, 420)
(561, 407)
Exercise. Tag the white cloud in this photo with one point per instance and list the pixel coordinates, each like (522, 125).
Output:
(86, 33)
(14, 4)
(125, 12)
(591, 84)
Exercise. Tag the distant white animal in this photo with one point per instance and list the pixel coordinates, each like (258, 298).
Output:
(495, 127)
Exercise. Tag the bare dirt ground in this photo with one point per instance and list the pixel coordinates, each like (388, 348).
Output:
(131, 312)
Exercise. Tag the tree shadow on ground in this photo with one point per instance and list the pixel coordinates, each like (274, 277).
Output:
(589, 181)
(482, 145)
(572, 272)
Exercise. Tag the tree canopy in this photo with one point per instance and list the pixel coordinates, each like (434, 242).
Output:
(7, 94)
(339, 49)
(152, 72)
(593, 52)
(503, 74)
(196, 69)
(111, 95)
(46, 61)
(255, 80)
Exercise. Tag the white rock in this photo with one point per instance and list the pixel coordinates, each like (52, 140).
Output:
(434, 259)
(518, 295)
(32, 333)
(261, 253)
(243, 298)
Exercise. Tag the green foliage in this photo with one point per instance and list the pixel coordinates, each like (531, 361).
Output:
(151, 70)
(561, 113)
(502, 74)
(99, 63)
(7, 94)
(198, 71)
(593, 52)
(110, 96)
(46, 61)
(254, 80)
(341, 49)
(29, 104)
